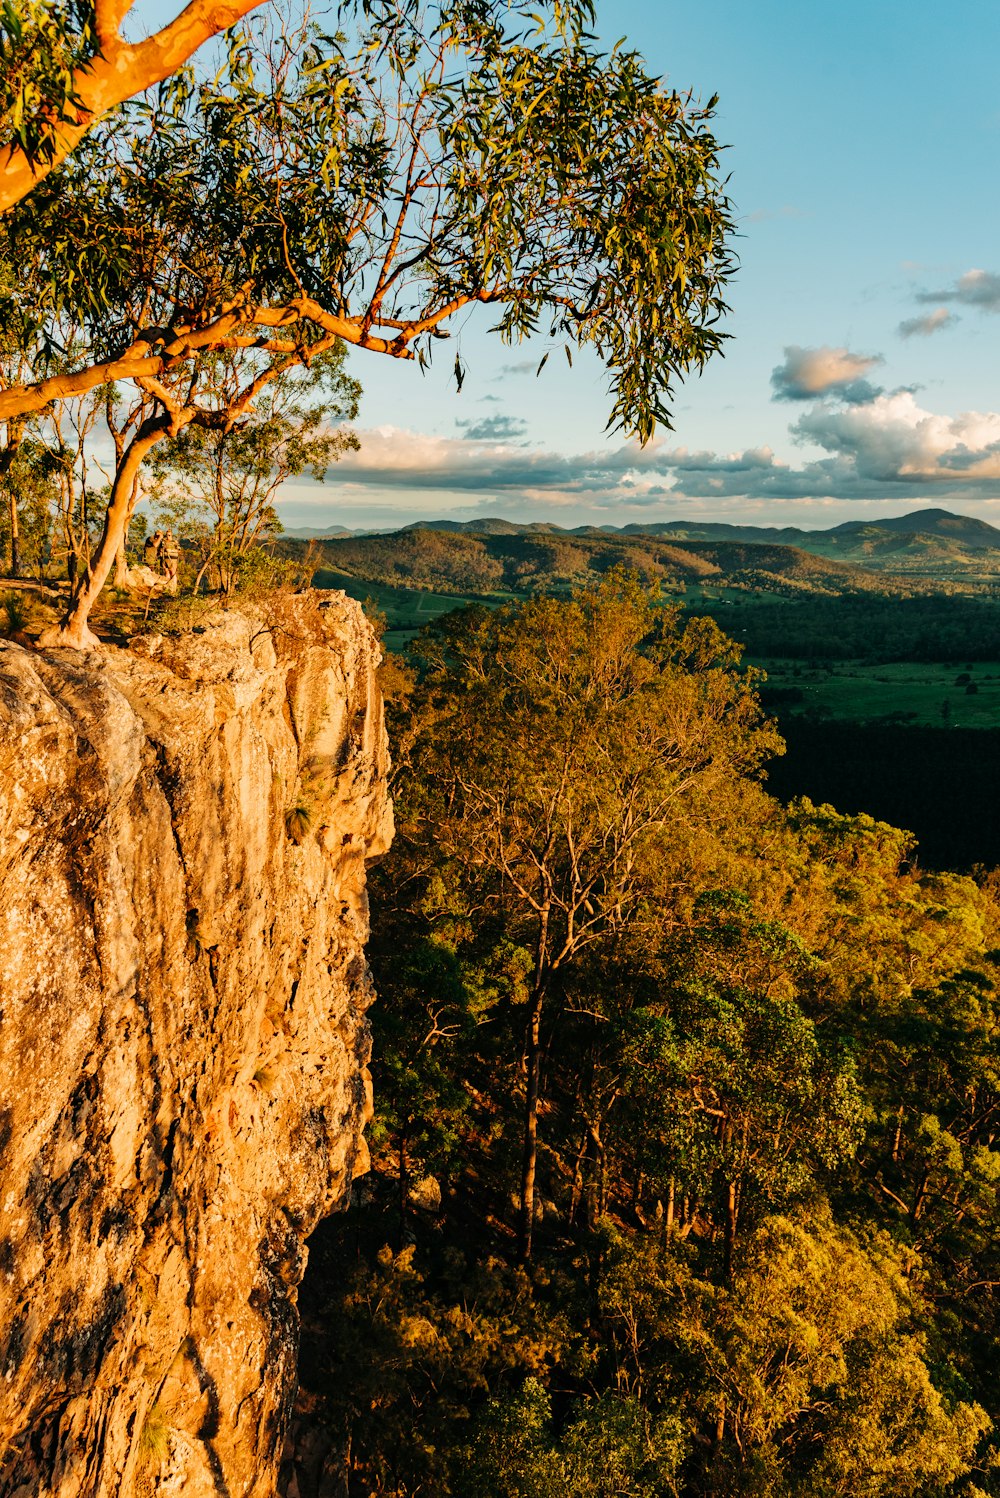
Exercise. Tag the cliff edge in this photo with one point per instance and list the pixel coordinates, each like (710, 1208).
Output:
(184, 827)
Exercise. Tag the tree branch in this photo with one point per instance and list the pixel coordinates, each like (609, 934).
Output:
(121, 70)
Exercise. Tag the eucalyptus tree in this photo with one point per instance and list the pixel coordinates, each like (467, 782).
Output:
(556, 744)
(367, 187)
(230, 477)
(65, 438)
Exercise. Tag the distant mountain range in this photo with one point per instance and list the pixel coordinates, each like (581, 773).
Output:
(940, 523)
(933, 543)
(491, 557)
(320, 532)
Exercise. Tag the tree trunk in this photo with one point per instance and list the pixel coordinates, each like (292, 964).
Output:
(15, 433)
(73, 630)
(595, 1183)
(15, 535)
(729, 1241)
(920, 1198)
(533, 1060)
(121, 555)
(577, 1189)
(532, 1072)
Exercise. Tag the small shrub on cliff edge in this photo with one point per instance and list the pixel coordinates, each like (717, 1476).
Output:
(154, 1438)
(298, 823)
(14, 614)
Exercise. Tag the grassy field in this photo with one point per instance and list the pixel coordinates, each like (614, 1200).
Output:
(933, 695)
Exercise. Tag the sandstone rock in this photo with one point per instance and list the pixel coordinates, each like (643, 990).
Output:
(142, 579)
(182, 1037)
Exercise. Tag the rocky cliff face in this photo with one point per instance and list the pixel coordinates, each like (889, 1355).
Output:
(183, 834)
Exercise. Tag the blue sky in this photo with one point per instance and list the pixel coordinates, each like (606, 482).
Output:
(861, 378)
(864, 141)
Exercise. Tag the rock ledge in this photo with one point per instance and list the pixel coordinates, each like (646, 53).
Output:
(184, 828)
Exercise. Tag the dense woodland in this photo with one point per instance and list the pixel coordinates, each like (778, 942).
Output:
(928, 628)
(686, 1101)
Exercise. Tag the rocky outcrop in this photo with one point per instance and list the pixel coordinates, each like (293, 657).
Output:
(184, 827)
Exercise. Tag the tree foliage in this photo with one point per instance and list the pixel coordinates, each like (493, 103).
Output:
(370, 184)
(765, 1212)
(219, 483)
(563, 737)
(64, 64)
(364, 187)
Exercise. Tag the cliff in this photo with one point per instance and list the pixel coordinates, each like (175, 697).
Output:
(184, 827)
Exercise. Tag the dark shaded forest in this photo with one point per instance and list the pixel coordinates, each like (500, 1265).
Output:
(940, 783)
(934, 627)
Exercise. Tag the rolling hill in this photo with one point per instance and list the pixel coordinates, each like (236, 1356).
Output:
(932, 542)
(485, 558)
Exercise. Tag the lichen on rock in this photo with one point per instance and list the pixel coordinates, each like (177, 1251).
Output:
(182, 1036)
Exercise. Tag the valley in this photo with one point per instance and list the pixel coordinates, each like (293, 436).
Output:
(885, 685)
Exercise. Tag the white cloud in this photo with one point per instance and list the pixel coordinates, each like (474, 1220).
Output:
(924, 326)
(893, 440)
(888, 448)
(808, 373)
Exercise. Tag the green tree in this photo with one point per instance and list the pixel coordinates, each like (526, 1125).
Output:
(29, 485)
(563, 739)
(230, 477)
(367, 187)
(65, 64)
(736, 1101)
(809, 1376)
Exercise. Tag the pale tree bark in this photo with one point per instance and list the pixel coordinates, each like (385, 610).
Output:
(15, 535)
(121, 70)
(119, 435)
(73, 631)
(529, 1163)
(121, 557)
(533, 1069)
(227, 330)
(15, 434)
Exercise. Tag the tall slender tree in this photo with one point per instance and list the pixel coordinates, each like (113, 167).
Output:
(565, 737)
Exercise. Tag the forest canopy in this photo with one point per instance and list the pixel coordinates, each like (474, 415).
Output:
(750, 1054)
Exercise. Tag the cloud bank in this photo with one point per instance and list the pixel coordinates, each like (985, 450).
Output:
(888, 448)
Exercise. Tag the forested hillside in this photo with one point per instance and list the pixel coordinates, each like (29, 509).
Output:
(685, 1148)
(526, 560)
(953, 550)
(888, 699)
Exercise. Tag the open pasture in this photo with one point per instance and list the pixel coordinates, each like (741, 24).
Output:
(931, 694)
